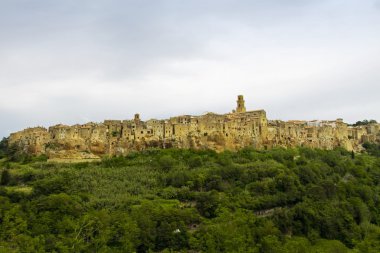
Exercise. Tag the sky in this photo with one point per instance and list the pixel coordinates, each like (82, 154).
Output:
(77, 61)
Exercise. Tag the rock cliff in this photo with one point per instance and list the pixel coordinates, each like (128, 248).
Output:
(232, 131)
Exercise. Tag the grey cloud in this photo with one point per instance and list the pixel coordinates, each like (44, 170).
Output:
(377, 4)
(73, 61)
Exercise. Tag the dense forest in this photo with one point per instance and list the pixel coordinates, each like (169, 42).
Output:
(280, 200)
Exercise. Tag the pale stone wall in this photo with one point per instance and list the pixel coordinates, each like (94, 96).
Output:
(228, 131)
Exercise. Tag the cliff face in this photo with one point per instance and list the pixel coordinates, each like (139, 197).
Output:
(228, 131)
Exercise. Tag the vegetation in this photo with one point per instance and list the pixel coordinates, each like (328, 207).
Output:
(372, 148)
(3, 147)
(364, 122)
(294, 200)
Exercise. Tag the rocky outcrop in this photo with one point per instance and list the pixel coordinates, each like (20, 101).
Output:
(231, 131)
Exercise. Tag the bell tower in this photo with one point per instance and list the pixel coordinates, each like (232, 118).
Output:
(137, 118)
(240, 104)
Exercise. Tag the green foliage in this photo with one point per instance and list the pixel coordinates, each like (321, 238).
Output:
(50, 185)
(3, 148)
(364, 122)
(280, 200)
(14, 154)
(40, 158)
(195, 162)
(53, 145)
(5, 177)
(372, 148)
(166, 162)
(207, 203)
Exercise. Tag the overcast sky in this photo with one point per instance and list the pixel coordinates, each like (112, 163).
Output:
(76, 61)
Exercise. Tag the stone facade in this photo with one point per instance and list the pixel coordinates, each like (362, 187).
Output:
(231, 131)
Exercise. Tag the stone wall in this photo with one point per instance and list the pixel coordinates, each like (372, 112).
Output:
(212, 131)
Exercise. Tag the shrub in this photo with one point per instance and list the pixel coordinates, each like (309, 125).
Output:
(195, 161)
(166, 162)
(5, 177)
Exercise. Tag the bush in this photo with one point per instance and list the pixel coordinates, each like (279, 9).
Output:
(166, 162)
(207, 203)
(195, 161)
(5, 177)
(48, 186)
(246, 201)
(372, 149)
(3, 147)
(110, 162)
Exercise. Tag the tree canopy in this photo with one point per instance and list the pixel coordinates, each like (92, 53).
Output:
(279, 200)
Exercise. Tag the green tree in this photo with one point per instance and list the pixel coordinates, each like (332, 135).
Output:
(271, 244)
(5, 177)
(207, 203)
(3, 147)
(166, 162)
(195, 162)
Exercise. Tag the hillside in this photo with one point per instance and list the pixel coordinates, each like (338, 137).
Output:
(231, 131)
(295, 200)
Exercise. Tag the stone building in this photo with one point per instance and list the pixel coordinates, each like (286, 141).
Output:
(238, 129)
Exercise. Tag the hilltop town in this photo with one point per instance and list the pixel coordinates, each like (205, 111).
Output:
(237, 129)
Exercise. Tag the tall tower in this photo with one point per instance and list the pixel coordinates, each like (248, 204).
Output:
(137, 118)
(240, 104)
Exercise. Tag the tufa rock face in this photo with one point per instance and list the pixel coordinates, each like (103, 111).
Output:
(231, 131)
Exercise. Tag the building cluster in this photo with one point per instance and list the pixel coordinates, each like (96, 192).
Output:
(232, 131)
